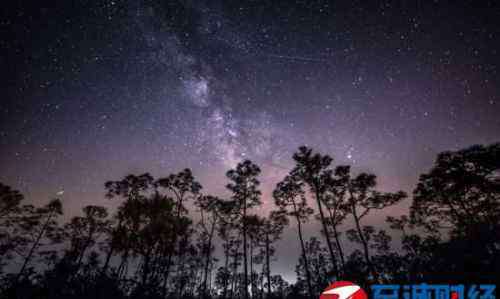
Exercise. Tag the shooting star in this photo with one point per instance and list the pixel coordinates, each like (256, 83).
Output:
(299, 58)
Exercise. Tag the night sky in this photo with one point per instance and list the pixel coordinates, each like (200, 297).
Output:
(95, 90)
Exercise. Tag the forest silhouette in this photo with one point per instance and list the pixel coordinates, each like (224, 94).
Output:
(153, 246)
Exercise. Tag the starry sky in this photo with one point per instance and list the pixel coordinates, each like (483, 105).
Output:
(95, 90)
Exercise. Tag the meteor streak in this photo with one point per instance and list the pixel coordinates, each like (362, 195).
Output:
(299, 58)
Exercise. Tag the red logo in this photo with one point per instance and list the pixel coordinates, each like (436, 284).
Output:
(343, 290)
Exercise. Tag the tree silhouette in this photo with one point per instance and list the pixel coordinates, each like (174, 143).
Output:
(10, 210)
(83, 232)
(461, 191)
(272, 229)
(461, 194)
(130, 189)
(182, 187)
(319, 270)
(335, 201)
(9, 201)
(75, 273)
(314, 170)
(245, 195)
(289, 197)
(151, 246)
(279, 285)
(263, 232)
(39, 223)
(419, 250)
(209, 207)
(226, 231)
(362, 199)
(255, 226)
(150, 225)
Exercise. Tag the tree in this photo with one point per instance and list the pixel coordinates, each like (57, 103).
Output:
(245, 195)
(227, 232)
(387, 265)
(362, 199)
(83, 232)
(317, 255)
(255, 226)
(314, 170)
(222, 277)
(10, 200)
(147, 223)
(289, 197)
(279, 285)
(151, 249)
(460, 195)
(132, 189)
(263, 232)
(181, 187)
(461, 192)
(209, 207)
(39, 223)
(419, 250)
(335, 201)
(155, 230)
(272, 228)
(10, 210)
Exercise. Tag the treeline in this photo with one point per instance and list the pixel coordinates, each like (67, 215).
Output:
(153, 247)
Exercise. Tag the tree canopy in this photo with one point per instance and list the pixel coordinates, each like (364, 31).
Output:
(169, 239)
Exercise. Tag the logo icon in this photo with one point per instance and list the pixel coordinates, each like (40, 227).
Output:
(343, 290)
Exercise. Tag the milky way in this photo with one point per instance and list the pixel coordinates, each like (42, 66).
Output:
(94, 91)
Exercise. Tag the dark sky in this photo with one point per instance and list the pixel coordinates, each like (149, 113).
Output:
(94, 90)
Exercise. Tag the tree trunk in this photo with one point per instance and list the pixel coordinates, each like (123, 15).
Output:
(166, 275)
(336, 237)
(33, 248)
(111, 251)
(268, 265)
(325, 231)
(145, 267)
(123, 264)
(235, 270)
(82, 254)
(364, 243)
(173, 240)
(207, 261)
(304, 255)
(245, 265)
(339, 247)
(251, 268)
(226, 267)
(262, 286)
(107, 260)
